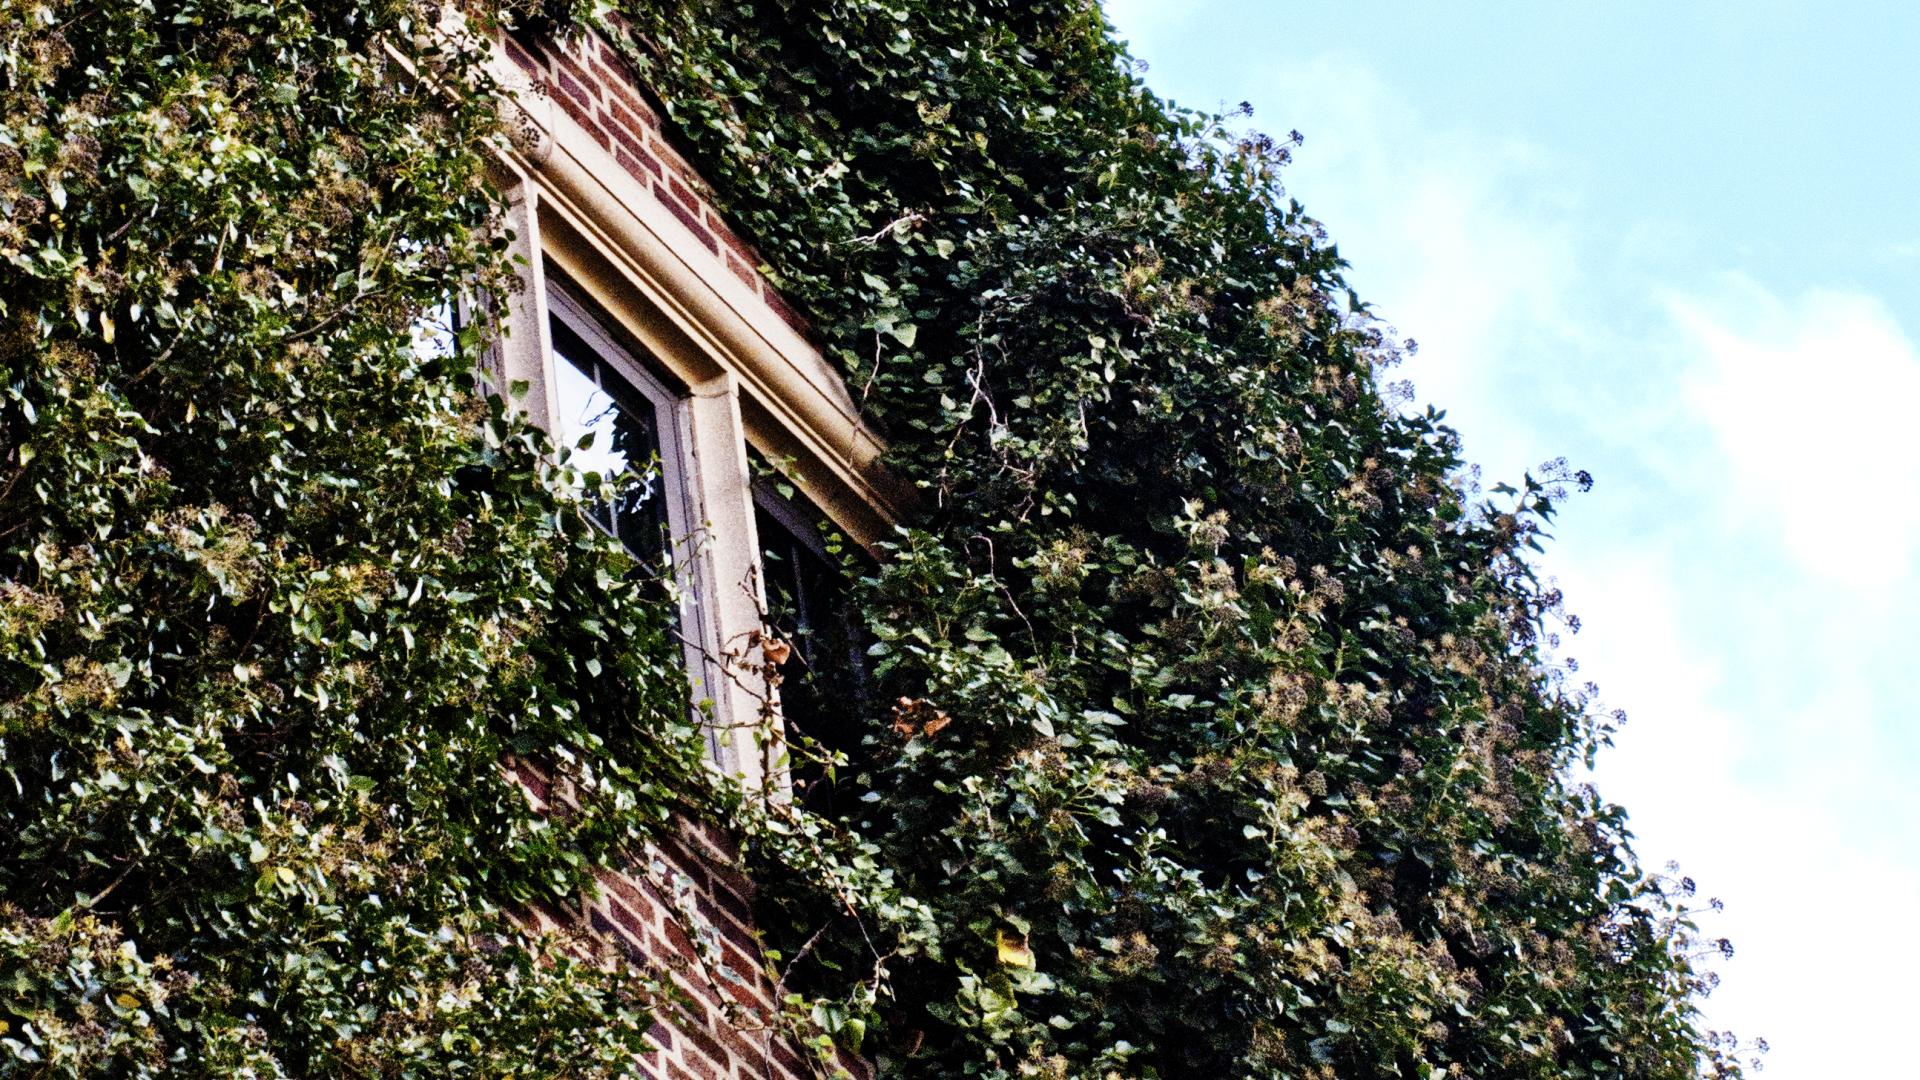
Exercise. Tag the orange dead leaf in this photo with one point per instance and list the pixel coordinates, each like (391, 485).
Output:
(776, 650)
(918, 716)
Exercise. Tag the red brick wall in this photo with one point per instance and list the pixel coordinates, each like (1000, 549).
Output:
(588, 80)
(686, 912)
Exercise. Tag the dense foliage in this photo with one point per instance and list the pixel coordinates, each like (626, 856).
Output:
(278, 593)
(1227, 741)
(1225, 735)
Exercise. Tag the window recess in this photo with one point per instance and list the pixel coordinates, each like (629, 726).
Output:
(613, 416)
(825, 683)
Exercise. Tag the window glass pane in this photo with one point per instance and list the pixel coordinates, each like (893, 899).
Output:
(604, 395)
(619, 427)
(824, 687)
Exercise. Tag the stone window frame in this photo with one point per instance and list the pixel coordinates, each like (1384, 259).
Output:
(739, 373)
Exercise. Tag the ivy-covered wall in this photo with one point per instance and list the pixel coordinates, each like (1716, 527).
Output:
(1228, 739)
(279, 596)
(1225, 735)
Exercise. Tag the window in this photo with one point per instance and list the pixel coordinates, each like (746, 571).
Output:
(618, 419)
(648, 357)
(438, 332)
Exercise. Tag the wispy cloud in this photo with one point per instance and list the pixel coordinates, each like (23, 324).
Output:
(1463, 241)
(1141, 21)
(1813, 402)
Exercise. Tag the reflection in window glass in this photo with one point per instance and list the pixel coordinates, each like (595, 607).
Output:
(438, 332)
(612, 431)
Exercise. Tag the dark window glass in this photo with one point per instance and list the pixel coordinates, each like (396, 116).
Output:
(594, 401)
(825, 690)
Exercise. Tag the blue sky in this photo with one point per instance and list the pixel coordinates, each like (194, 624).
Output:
(1677, 244)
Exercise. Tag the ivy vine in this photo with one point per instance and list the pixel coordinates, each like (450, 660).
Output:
(280, 595)
(1225, 734)
(1227, 738)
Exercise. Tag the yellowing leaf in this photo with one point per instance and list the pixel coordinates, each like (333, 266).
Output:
(126, 1001)
(1013, 950)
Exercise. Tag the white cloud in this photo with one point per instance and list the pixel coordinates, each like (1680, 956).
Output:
(1755, 777)
(1812, 401)
(1462, 241)
(1818, 920)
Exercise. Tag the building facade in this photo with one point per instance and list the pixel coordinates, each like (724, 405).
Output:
(644, 323)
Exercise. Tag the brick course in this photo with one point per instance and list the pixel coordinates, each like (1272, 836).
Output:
(725, 1028)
